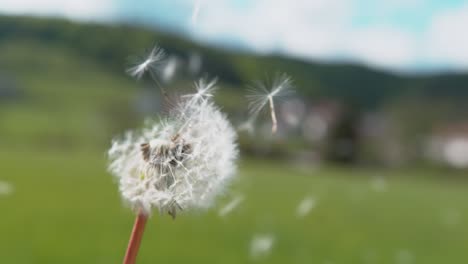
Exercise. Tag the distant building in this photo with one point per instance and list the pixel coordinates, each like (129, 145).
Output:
(448, 145)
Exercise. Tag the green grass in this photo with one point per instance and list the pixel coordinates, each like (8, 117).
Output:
(66, 209)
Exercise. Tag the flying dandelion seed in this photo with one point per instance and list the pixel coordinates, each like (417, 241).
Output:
(196, 11)
(248, 126)
(305, 206)
(229, 207)
(379, 184)
(261, 245)
(153, 63)
(6, 188)
(261, 94)
(169, 69)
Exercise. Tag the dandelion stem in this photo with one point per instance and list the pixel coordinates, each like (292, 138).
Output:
(274, 125)
(135, 239)
(161, 88)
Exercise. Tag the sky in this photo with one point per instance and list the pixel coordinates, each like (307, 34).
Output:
(398, 35)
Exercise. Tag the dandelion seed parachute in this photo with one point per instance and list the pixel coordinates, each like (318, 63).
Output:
(152, 63)
(261, 245)
(261, 95)
(305, 206)
(181, 163)
(229, 207)
(170, 68)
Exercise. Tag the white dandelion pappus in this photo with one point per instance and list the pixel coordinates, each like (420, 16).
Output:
(261, 245)
(229, 207)
(262, 94)
(204, 90)
(181, 163)
(305, 206)
(169, 69)
(151, 63)
(6, 188)
(248, 126)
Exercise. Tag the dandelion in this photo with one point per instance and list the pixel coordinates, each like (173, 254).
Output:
(261, 245)
(261, 94)
(229, 207)
(181, 163)
(151, 63)
(305, 206)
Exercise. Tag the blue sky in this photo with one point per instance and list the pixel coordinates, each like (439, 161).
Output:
(401, 35)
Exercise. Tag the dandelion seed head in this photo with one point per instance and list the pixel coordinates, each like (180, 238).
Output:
(181, 163)
(152, 63)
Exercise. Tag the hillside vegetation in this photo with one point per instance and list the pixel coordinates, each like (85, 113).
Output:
(110, 46)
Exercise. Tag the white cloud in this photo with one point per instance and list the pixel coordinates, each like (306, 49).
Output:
(314, 29)
(303, 26)
(82, 10)
(382, 47)
(307, 28)
(321, 29)
(447, 38)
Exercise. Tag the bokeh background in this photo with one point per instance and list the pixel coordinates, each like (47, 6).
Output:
(368, 166)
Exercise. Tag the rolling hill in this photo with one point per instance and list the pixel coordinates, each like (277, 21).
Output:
(110, 46)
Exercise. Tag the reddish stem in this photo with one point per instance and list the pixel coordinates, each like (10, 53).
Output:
(135, 239)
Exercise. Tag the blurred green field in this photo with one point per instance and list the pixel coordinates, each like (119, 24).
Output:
(66, 209)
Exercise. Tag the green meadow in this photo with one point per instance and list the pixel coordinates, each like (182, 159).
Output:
(65, 207)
